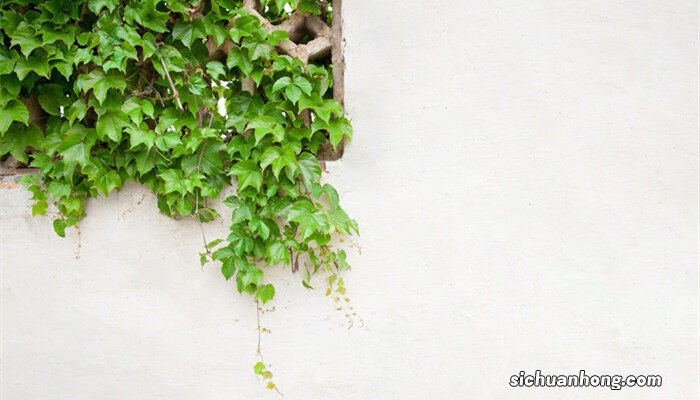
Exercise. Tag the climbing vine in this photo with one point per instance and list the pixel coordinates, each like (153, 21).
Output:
(185, 97)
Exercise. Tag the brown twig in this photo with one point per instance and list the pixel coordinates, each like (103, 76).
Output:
(176, 95)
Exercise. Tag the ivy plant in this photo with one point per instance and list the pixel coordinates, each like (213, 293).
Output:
(185, 97)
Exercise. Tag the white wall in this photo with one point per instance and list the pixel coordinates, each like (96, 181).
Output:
(525, 175)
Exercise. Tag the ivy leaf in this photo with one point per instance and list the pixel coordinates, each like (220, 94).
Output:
(59, 226)
(187, 32)
(279, 158)
(258, 50)
(308, 217)
(57, 189)
(51, 98)
(153, 19)
(339, 220)
(293, 93)
(267, 227)
(66, 36)
(39, 208)
(100, 83)
(303, 84)
(223, 253)
(34, 63)
(265, 293)
(107, 181)
(248, 279)
(7, 60)
(265, 125)
(111, 124)
(281, 83)
(277, 253)
(310, 168)
(97, 5)
(217, 32)
(248, 173)
(237, 58)
(77, 145)
(216, 69)
(132, 108)
(173, 182)
(13, 111)
(228, 268)
(337, 129)
(76, 111)
(139, 136)
(322, 108)
(15, 141)
(26, 38)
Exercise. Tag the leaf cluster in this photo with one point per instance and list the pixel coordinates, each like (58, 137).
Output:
(96, 93)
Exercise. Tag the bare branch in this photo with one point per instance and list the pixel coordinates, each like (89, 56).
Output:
(176, 95)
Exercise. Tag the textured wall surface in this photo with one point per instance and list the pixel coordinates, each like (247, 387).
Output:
(525, 176)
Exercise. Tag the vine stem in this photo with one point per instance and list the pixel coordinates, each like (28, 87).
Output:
(176, 95)
(260, 354)
(257, 308)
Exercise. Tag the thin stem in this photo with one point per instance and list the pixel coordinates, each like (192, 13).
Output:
(176, 95)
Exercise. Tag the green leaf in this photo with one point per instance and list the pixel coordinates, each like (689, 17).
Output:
(265, 293)
(77, 145)
(223, 253)
(188, 32)
(173, 182)
(139, 136)
(303, 84)
(58, 189)
(97, 5)
(293, 93)
(340, 221)
(237, 58)
(13, 111)
(248, 173)
(7, 60)
(267, 227)
(310, 168)
(265, 125)
(258, 50)
(59, 226)
(277, 253)
(228, 268)
(218, 33)
(107, 181)
(216, 69)
(18, 139)
(76, 111)
(281, 83)
(133, 108)
(279, 158)
(308, 217)
(153, 19)
(66, 36)
(337, 129)
(249, 279)
(100, 83)
(37, 64)
(39, 208)
(259, 368)
(111, 124)
(52, 97)
(26, 38)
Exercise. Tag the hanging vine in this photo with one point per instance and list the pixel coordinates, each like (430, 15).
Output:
(185, 97)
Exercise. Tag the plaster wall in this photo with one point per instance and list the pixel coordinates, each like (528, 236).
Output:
(525, 177)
